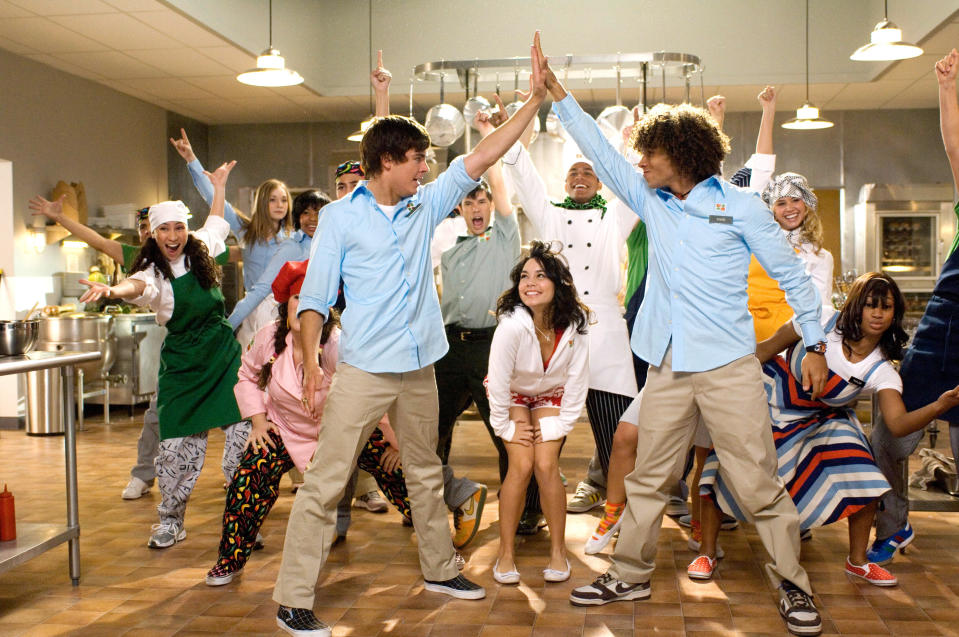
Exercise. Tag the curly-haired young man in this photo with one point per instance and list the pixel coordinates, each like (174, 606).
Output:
(697, 335)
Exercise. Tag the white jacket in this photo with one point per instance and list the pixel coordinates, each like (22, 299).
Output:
(516, 365)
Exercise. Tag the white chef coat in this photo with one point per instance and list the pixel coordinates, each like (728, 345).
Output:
(594, 244)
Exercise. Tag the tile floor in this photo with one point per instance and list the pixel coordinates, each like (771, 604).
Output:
(372, 584)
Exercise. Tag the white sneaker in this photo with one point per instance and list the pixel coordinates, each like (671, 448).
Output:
(587, 497)
(372, 502)
(136, 488)
(166, 534)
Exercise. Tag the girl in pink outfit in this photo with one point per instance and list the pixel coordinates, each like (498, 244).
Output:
(537, 382)
(270, 393)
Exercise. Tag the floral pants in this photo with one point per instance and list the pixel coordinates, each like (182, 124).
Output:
(255, 488)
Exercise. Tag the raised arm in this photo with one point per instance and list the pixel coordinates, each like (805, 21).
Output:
(946, 70)
(218, 180)
(764, 141)
(497, 184)
(491, 148)
(200, 182)
(53, 210)
(716, 105)
(380, 79)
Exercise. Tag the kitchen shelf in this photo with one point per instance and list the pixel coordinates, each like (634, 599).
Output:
(35, 539)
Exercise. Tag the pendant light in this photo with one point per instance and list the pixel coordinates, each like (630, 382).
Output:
(270, 67)
(807, 115)
(885, 43)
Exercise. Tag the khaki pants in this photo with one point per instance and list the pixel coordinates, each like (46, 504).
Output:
(733, 405)
(355, 404)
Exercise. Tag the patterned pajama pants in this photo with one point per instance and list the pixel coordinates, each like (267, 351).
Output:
(180, 460)
(255, 487)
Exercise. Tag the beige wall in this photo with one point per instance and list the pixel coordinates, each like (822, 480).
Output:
(57, 126)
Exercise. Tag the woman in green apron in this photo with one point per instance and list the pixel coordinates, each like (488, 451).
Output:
(176, 276)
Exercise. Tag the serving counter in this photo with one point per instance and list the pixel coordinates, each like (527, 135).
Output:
(34, 539)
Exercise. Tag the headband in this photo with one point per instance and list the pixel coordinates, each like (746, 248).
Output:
(143, 214)
(790, 185)
(349, 167)
(167, 211)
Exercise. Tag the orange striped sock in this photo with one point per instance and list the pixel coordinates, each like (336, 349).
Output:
(611, 513)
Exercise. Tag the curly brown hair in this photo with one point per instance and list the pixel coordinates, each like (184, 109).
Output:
(688, 135)
(566, 308)
(391, 136)
(198, 260)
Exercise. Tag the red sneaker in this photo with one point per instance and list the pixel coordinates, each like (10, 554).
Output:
(701, 568)
(872, 573)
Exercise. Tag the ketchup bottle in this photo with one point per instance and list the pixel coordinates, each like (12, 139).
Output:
(8, 522)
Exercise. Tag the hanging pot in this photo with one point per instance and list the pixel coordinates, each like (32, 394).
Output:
(444, 122)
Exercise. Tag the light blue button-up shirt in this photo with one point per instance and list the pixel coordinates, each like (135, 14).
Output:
(257, 255)
(698, 260)
(296, 248)
(392, 321)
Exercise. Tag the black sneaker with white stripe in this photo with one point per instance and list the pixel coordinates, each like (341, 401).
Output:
(301, 622)
(797, 609)
(458, 587)
(606, 589)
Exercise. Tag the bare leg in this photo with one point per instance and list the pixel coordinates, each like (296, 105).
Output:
(552, 495)
(622, 460)
(695, 500)
(709, 516)
(512, 493)
(860, 524)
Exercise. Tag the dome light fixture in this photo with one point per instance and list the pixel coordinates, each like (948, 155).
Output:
(885, 43)
(270, 68)
(807, 115)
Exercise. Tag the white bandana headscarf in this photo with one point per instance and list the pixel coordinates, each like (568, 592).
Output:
(167, 211)
(790, 185)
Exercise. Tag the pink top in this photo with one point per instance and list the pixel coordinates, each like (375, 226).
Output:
(282, 402)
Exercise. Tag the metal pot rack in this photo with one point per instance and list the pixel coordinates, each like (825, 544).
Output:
(647, 68)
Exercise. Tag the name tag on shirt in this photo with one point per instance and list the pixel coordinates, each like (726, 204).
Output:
(857, 382)
(720, 219)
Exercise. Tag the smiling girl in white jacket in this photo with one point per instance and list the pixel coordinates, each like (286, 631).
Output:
(537, 382)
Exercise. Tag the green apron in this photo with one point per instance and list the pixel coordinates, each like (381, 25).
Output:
(198, 363)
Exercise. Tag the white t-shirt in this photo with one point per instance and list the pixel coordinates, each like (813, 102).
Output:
(885, 376)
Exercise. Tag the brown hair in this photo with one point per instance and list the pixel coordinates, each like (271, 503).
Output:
(260, 227)
(870, 290)
(198, 260)
(688, 135)
(279, 340)
(566, 308)
(391, 136)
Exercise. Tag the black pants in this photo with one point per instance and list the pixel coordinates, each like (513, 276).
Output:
(459, 382)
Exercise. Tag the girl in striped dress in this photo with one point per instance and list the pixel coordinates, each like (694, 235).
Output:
(824, 456)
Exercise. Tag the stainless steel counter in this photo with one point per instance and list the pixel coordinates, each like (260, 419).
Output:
(34, 539)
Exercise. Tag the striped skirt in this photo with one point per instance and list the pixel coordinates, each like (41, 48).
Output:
(824, 458)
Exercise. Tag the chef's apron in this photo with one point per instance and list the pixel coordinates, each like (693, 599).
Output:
(198, 363)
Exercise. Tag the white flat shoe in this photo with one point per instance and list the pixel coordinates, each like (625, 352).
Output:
(553, 575)
(509, 577)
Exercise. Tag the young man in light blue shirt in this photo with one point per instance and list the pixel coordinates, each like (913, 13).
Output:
(378, 240)
(697, 335)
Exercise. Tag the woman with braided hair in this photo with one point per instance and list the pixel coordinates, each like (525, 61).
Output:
(269, 392)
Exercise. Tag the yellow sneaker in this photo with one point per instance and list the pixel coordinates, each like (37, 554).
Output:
(466, 518)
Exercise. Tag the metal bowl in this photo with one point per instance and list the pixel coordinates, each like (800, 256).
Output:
(18, 337)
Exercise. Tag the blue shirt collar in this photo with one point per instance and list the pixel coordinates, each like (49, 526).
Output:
(714, 181)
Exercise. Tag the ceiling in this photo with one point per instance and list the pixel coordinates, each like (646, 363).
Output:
(183, 55)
